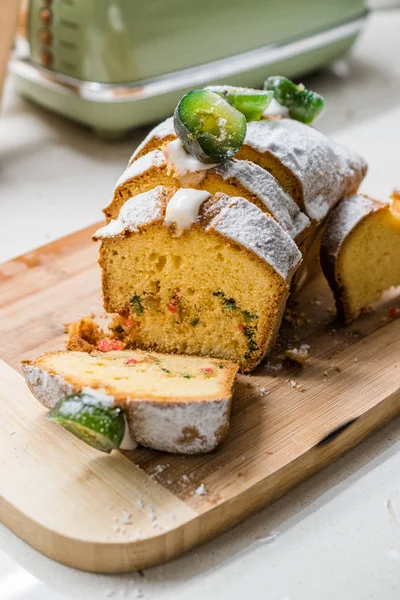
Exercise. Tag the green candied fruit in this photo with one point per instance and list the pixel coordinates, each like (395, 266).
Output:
(250, 102)
(227, 303)
(249, 316)
(209, 128)
(102, 427)
(136, 305)
(303, 105)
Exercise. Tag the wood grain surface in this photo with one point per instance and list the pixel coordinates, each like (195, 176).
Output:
(124, 511)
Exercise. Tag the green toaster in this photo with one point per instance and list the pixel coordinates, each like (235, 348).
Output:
(116, 64)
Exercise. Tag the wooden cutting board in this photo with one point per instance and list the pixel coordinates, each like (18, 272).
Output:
(125, 511)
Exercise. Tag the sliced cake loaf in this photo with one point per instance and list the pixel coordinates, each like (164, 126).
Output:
(359, 252)
(197, 274)
(172, 403)
(315, 171)
(232, 177)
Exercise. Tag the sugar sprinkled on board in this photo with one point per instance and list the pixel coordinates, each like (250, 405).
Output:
(201, 490)
(157, 470)
(151, 513)
(126, 517)
(264, 391)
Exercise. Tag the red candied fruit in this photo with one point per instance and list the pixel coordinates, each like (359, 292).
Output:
(132, 361)
(208, 370)
(394, 312)
(106, 345)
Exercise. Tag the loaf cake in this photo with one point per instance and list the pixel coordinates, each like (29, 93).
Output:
(172, 403)
(231, 177)
(193, 273)
(359, 252)
(315, 171)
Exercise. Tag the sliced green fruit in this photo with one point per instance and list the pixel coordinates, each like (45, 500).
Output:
(99, 426)
(303, 105)
(209, 128)
(250, 102)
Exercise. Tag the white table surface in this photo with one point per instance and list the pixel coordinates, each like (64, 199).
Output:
(332, 537)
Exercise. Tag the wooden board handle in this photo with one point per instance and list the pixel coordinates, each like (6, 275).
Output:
(9, 10)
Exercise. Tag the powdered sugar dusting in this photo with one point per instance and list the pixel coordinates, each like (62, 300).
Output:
(136, 212)
(163, 427)
(161, 131)
(141, 165)
(245, 223)
(326, 170)
(346, 216)
(261, 183)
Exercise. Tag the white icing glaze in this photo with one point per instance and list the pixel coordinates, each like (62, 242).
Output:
(155, 158)
(188, 169)
(275, 109)
(98, 396)
(183, 207)
(127, 442)
(136, 211)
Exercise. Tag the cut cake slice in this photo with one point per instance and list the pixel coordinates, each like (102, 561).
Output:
(360, 252)
(179, 404)
(215, 285)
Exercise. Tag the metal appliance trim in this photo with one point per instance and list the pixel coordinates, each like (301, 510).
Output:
(191, 77)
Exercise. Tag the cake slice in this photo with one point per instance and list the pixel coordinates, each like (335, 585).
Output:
(360, 252)
(173, 168)
(312, 169)
(178, 404)
(197, 274)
